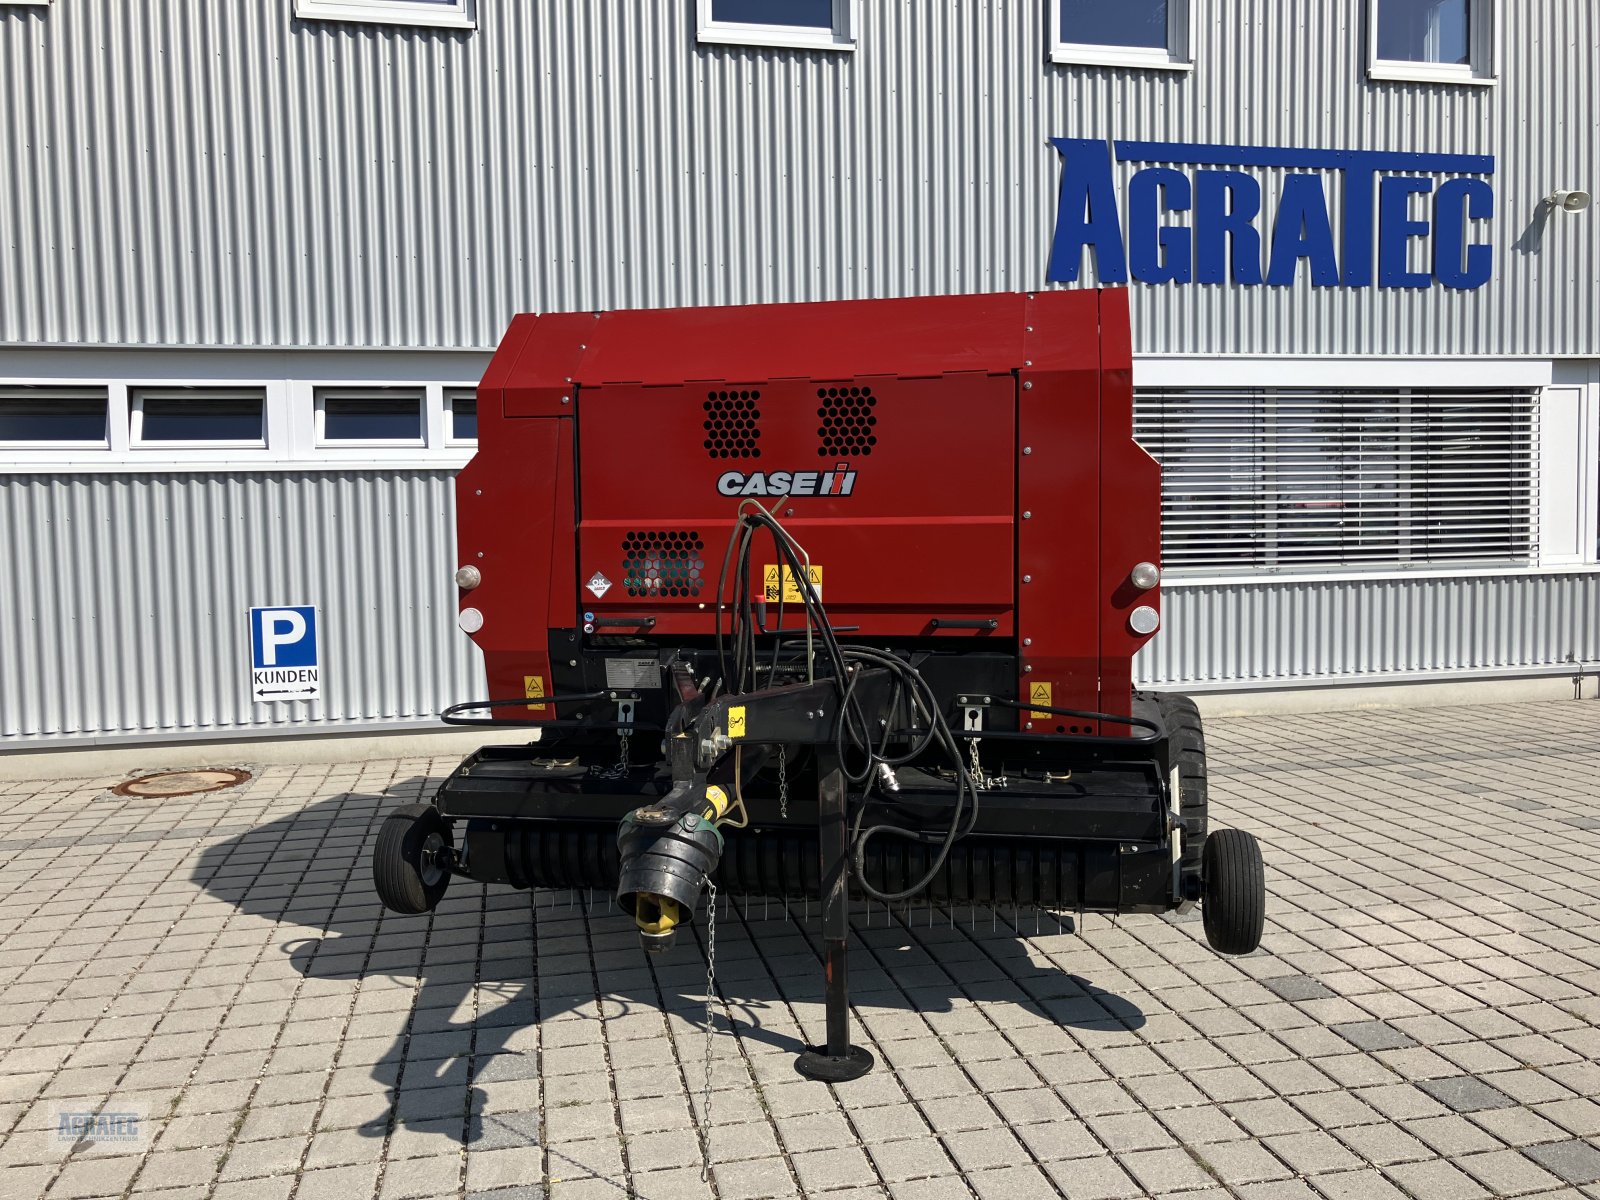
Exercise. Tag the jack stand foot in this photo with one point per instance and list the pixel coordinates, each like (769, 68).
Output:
(817, 1063)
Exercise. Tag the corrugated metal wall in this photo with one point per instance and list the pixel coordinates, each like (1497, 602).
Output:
(174, 173)
(1287, 633)
(126, 599)
(126, 608)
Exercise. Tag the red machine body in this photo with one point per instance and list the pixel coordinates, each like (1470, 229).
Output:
(957, 467)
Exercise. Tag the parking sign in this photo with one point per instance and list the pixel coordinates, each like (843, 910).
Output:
(285, 661)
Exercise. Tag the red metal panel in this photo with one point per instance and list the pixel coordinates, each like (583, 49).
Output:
(542, 377)
(982, 466)
(930, 335)
(1058, 501)
(502, 367)
(512, 525)
(917, 494)
(1130, 506)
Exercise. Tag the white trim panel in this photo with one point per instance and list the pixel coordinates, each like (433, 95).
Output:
(459, 14)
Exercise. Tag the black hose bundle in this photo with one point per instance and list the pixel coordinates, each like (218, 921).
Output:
(860, 753)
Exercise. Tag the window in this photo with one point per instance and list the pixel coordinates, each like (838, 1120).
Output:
(369, 416)
(41, 417)
(1444, 41)
(450, 14)
(1128, 33)
(804, 24)
(197, 416)
(1295, 479)
(461, 414)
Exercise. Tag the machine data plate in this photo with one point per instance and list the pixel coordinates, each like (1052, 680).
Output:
(633, 673)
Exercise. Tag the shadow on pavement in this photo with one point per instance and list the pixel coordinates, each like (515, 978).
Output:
(475, 985)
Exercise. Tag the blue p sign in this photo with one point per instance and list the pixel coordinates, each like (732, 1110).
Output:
(284, 659)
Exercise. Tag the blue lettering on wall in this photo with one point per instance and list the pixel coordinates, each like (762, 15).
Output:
(1393, 214)
(1302, 230)
(1457, 202)
(1088, 214)
(1225, 213)
(1159, 253)
(1396, 229)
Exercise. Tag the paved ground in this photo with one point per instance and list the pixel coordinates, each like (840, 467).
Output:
(1423, 1018)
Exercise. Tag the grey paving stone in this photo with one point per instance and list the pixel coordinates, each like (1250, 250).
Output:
(1466, 1094)
(1435, 1180)
(1312, 1153)
(518, 1166)
(339, 1183)
(255, 1189)
(1366, 1184)
(1237, 1163)
(1092, 1179)
(820, 1170)
(752, 1178)
(979, 1150)
(1016, 1182)
(1162, 1171)
(1573, 1161)
(502, 1130)
(422, 1178)
(1508, 1173)
(914, 1158)
(531, 1191)
(1374, 1035)
(1297, 987)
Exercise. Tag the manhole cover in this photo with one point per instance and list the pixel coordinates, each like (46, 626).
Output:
(180, 783)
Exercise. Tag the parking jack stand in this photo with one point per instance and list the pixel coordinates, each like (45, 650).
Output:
(837, 1061)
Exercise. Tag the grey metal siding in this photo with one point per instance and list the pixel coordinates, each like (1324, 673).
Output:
(174, 173)
(1348, 630)
(127, 596)
(126, 599)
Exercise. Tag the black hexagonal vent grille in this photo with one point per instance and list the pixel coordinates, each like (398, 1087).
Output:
(731, 424)
(666, 564)
(849, 426)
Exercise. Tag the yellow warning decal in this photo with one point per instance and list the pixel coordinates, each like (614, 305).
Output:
(533, 689)
(736, 722)
(1041, 693)
(718, 799)
(789, 588)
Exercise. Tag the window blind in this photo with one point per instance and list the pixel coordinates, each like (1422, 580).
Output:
(1288, 479)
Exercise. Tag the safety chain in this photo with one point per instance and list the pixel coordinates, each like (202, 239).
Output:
(620, 771)
(783, 782)
(711, 991)
(978, 780)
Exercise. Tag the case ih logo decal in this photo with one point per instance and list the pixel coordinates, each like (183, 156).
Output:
(840, 481)
(1206, 223)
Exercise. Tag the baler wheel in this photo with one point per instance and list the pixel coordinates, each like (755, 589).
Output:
(1182, 719)
(1235, 903)
(410, 863)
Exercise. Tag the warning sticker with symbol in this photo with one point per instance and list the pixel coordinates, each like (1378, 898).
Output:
(736, 721)
(789, 589)
(1040, 693)
(533, 689)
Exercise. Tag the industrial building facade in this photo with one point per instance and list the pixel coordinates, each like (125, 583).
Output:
(254, 257)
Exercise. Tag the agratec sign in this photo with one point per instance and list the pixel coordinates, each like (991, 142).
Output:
(1205, 223)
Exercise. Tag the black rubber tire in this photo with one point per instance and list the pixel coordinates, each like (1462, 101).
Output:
(404, 884)
(1184, 729)
(1235, 903)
